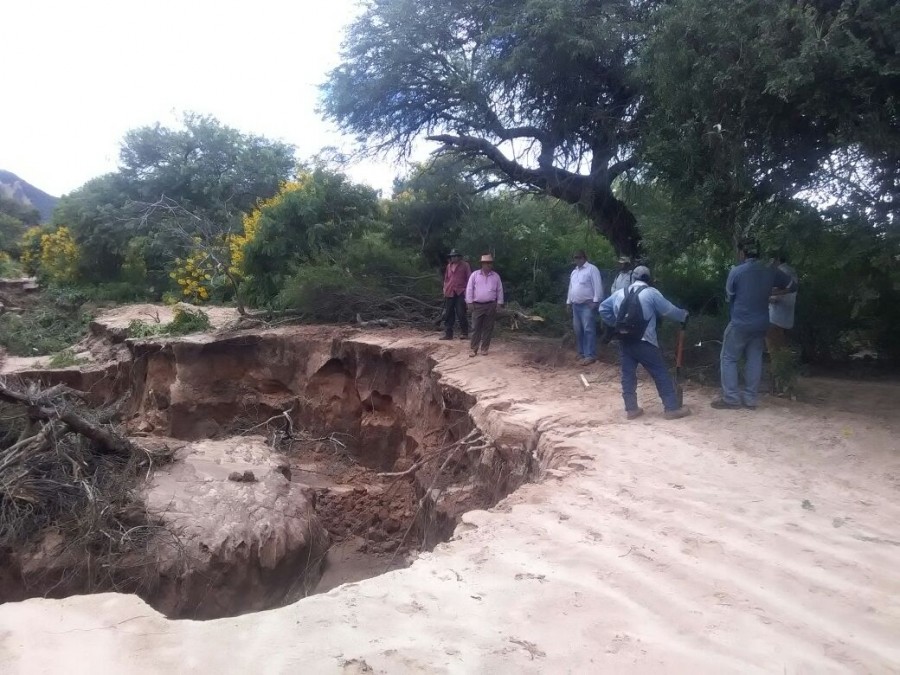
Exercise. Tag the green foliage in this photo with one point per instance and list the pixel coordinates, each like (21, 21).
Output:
(65, 359)
(50, 326)
(96, 213)
(308, 224)
(785, 369)
(428, 207)
(533, 241)
(756, 99)
(207, 169)
(552, 75)
(849, 298)
(139, 329)
(185, 321)
(371, 278)
(9, 268)
(211, 168)
(15, 218)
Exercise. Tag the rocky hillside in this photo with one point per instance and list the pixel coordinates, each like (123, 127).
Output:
(13, 187)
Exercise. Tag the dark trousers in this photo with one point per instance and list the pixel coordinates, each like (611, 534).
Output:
(483, 315)
(455, 308)
(649, 356)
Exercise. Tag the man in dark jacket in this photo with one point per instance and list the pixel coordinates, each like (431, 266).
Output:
(456, 276)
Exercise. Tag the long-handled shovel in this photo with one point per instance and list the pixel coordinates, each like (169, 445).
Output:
(679, 356)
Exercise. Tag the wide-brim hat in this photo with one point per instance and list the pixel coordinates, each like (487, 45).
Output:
(487, 257)
(454, 253)
(624, 259)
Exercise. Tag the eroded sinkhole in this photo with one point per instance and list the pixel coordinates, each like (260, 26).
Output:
(300, 464)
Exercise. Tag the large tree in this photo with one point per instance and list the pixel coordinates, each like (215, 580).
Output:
(205, 165)
(429, 206)
(204, 168)
(753, 103)
(539, 92)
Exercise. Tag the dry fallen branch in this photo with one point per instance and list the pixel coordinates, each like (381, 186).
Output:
(46, 406)
(64, 468)
(473, 441)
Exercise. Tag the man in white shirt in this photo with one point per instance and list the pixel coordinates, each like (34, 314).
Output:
(585, 294)
(624, 278)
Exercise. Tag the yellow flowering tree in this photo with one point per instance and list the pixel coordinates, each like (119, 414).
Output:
(214, 251)
(194, 275)
(53, 255)
(59, 256)
(237, 243)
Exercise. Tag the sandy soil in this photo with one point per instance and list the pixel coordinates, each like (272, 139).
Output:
(764, 541)
(120, 317)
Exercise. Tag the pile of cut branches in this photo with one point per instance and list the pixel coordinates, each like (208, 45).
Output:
(66, 470)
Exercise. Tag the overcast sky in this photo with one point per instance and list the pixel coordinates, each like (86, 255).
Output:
(77, 74)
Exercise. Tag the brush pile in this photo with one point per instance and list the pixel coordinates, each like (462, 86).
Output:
(68, 475)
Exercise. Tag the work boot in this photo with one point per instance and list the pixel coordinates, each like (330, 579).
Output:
(445, 337)
(677, 414)
(722, 404)
(634, 414)
(464, 336)
(587, 360)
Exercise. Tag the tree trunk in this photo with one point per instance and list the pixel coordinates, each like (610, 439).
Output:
(613, 219)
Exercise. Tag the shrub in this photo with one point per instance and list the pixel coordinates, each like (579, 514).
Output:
(31, 250)
(185, 320)
(327, 293)
(44, 329)
(9, 268)
(59, 256)
(188, 320)
(65, 359)
(137, 328)
(785, 368)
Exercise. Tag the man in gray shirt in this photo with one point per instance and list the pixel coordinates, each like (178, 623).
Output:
(748, 288)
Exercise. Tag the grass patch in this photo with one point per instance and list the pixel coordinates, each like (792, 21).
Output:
(46, 328)
(784, 366)
(185, 321)
(65, 359)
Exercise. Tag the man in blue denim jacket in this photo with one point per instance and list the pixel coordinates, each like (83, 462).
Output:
(645, 351)
(748, 289)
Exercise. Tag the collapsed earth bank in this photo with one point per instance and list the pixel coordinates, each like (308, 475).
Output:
(290, 447)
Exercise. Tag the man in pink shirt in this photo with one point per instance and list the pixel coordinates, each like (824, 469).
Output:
(455, 278)
(484, 293)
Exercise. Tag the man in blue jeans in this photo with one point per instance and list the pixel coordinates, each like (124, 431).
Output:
(645, 351)
(585, 293)
(749, 287)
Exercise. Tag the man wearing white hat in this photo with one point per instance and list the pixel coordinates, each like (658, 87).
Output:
(484, 294)
(624, 278)
(641, 347)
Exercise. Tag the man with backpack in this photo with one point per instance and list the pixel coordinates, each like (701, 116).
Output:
(632, 313)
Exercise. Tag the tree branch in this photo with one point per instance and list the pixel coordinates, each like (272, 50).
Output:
(556, 182)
